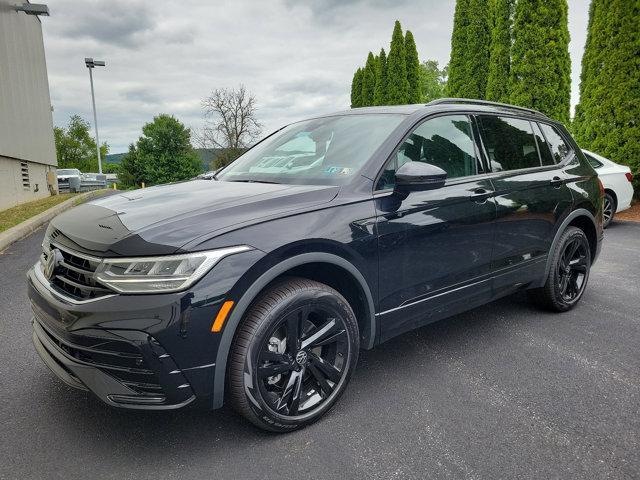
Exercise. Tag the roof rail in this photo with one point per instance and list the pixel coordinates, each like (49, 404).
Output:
(469, 101)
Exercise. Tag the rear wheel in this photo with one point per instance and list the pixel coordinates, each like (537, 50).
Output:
(608, 210)
(292, 355)
(569, 273)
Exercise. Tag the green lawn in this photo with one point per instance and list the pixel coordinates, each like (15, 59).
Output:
(15, 215)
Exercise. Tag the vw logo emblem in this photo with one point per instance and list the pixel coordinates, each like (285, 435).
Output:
(54, 259)
(301, 357)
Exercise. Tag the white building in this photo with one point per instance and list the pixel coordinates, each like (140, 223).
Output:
(27, 147)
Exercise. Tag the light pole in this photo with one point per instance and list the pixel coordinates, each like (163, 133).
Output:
(91, 63)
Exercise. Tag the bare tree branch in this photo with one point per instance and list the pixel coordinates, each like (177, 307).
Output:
(230, 120)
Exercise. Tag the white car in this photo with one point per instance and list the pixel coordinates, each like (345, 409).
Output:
(616, 178)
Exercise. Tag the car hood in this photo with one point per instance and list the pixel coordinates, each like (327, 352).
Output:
(161, 220)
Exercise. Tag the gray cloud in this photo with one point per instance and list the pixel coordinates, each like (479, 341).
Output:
(296, 57)
(117, 22)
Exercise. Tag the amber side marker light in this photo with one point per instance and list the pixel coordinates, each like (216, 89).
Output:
(218, 323)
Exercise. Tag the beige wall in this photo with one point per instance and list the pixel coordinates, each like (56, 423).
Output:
(26, 126)
(12, 189)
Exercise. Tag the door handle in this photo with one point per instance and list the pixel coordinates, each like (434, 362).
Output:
(480, 195)
(556, 182)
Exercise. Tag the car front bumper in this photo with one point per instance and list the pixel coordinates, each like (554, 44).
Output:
(132, 351)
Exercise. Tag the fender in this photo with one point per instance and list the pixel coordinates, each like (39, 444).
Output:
(580, 212)
(250, 294)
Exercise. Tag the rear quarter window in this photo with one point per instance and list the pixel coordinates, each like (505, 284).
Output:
(559, 148)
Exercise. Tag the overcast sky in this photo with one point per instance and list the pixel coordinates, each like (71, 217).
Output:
(296, 56)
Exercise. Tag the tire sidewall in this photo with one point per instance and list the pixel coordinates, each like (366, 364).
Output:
(290, 303)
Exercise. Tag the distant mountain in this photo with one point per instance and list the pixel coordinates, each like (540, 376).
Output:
(207, 155)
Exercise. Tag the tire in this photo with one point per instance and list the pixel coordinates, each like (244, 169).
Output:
(608, 209)
(281, 381)
(568, 275)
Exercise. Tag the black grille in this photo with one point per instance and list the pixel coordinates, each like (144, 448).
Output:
(74, 274)
(118, 358)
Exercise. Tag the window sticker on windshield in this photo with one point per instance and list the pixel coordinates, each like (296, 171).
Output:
(338, 170)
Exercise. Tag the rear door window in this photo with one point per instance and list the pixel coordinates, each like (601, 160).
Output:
(510, 143)
(559, 148)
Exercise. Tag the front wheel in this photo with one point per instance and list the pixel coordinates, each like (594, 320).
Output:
(569, 272)
(293, 355)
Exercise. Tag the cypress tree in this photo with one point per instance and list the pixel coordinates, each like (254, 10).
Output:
(356, 89)
(380, 91)
(469, 49)
(500, 12)
(369, 81)
(607, 118)
(397, 83)
(413, 68)
(540, 75)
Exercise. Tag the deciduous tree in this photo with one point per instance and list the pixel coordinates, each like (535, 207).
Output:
(231, 123)
(75, 147)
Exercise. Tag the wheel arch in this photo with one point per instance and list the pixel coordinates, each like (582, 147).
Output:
(584, 220)
(320, 266)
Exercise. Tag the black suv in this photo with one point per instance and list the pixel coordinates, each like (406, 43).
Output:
(261, 284)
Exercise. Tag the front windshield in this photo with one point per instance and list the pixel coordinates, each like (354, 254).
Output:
(323, 151)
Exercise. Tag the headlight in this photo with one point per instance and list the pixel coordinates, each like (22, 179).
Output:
(169, 273)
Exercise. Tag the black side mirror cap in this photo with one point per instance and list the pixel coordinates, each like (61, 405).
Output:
(419, 176)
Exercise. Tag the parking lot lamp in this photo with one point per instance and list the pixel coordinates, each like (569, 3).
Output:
(91, 63)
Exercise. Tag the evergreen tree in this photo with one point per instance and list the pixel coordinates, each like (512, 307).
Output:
(380, 92)
(397, 83)
(356, 89)
(469, 49)
(607, 118)
(369, 81)
(500, 13)
(413, 68)
(540, 75)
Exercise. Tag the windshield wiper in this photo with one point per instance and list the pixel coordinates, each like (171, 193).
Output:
(256, 181)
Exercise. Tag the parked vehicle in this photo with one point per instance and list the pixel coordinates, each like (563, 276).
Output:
(618, 189)
(332, 235)
(67, 177)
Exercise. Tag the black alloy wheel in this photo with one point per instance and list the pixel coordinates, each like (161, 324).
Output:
(569, 272)
(293, 355)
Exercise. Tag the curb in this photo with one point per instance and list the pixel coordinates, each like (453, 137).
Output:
(27, 227)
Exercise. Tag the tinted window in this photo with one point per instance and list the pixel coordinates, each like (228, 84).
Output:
(559, 148)
(543, 147)
(594, 163)
(510, 143)
(446, 142)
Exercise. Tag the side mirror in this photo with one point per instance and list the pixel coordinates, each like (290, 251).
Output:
(419, 176)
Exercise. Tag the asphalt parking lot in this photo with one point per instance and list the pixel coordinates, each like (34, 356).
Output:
(503, 391)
